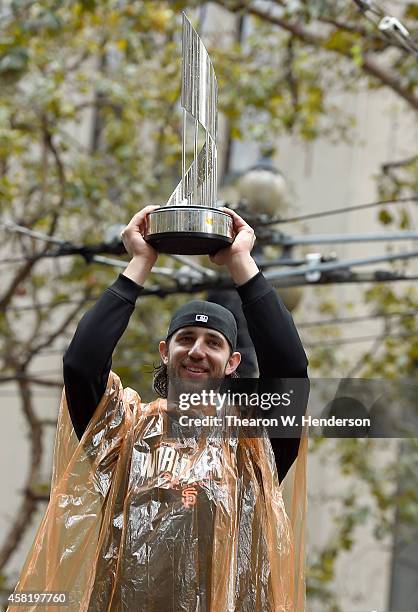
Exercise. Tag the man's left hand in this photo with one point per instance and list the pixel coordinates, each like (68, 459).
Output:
(237, 256)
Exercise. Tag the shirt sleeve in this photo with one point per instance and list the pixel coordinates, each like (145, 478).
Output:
(276, 341)
(280, 355)
(88, 359)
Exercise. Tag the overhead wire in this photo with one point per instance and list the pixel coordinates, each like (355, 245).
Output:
(188, 281)
(179, 289)
(284, 240)
(278, 239)
(67, 248)
(357, 339)
(338, 265)
(356, 319)
(390, 27)
(335, 211)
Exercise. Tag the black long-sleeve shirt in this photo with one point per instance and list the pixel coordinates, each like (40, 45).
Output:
(88, 359)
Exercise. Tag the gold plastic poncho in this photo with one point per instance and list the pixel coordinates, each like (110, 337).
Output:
(141, 522)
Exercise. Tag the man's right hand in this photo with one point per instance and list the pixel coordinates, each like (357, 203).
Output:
(143, 254)
(133, 236)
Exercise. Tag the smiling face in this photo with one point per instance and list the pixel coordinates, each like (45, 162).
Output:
(197, 354)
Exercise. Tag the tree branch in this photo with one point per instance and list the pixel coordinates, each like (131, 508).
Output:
(24, 271)
(386, 78)
(399, 164)
(32, 380)
(59, 330)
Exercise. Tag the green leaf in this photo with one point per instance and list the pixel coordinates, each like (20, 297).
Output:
(340, 41)
(357, 55)
(385, 217)
(411, 11)
(88, 5)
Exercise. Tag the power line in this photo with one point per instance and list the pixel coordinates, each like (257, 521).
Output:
(313, 272)
(282, 261)
(20, 229)
(284, 240)
(358, 339)
(334, 211)
(338, 265)
(91, 253)
(346, 277)
(114, 263)
(392, 28)
(356, 319)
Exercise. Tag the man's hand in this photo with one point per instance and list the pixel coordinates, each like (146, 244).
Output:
(143, 254)
(133, 236)
(237, 256)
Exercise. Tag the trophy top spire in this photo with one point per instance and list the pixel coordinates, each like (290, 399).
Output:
(190, 223)
(199, 102)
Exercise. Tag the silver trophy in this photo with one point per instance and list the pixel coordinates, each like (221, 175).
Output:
(190, 223)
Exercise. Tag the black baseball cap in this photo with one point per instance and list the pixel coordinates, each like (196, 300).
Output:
(205, 314)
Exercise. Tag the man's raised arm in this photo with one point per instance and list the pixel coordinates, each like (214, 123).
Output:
(88, 359)
(277, 344)
(279, 350)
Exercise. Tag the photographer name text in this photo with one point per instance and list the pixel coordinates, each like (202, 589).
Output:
(283, 420)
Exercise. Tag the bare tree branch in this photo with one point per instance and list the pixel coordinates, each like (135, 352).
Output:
(21, 275)
(26, 269)
(51, 337)
(32, 380)
(399, 164)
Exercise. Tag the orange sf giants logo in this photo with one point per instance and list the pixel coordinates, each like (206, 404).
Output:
(189, 495)
(188, 492)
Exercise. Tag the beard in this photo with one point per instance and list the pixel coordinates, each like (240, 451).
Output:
(180, 384)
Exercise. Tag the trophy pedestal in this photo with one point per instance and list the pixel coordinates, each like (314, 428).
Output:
(189, 230)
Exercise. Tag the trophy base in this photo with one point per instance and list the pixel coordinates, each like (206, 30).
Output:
(189, 230)
(187, 243)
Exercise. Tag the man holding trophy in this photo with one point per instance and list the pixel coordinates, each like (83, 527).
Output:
(144, 516)
(134, 521)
